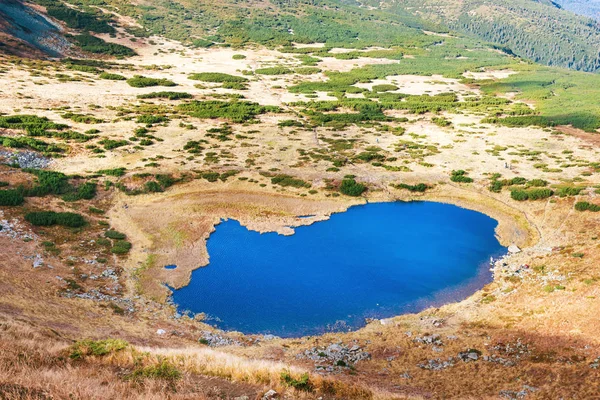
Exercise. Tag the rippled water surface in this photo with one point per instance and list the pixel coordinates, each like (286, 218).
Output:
(373, 261)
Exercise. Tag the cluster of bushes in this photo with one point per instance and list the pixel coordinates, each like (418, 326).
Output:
(11, 197)
(31, 143)
(441, 122)
(93, 44)
(420, 187)
(119, 245)
(236, 111)
(531, 194)
(273, 71)
(139, 81)
(217, 77)
(112, 77)
(302, 383)
(460, 176)
(82, 118)
(96, 348)
(214, 176)
(287, 180)
(85, 191)
(75, 19)
(165, 95)
(150, 119)
(194, 146)
(350, 187)
(50, 218)
(585, 206)
(118, 172)
(110, 144)
(497, 184)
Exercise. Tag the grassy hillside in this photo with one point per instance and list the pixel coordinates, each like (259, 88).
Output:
(589, 8)
(535, 30)
(538, 31)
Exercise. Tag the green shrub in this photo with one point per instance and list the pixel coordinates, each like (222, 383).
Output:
(569, 191)
(217, 77)
(236, 111)
(139, 81)
(287, 180)
(166, 95)
(110, 144)
(112, 77)
(50, 218)
(121, 247)
(164, 370)
(273, 71)
(112, 234)
(11, 197)
(151, 119)
(98, 348)
(303, 383)
(238, 57)
(585, 206)
(112, 172)
(96, 45)
(350, 187)
(420, 187)
(153, 187)
(460, 176)
(86, 191)
(48, 182)
(532, 194)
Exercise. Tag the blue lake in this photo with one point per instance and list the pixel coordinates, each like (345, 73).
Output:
(373, 261)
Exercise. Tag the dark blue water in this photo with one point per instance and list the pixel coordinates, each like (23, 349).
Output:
(373, 261)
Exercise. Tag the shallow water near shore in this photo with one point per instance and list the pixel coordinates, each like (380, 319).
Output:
(373, 261)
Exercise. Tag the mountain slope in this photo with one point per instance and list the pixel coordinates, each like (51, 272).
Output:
(537, 30)
(589, 8)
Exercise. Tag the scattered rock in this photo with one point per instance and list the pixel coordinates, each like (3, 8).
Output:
(338, 354)
(271, 394)
(161, 332)
(514, 249)
(515, 395)
(25, 159)
(429, 340)
(437, 364)
(216, 340)
(469, 355)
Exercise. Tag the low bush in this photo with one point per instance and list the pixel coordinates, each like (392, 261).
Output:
(50, 218)
(139, 81)
(112, 234)
(96, 45)
(121, 247)
(98, 348)
(112, 77)
(166, 95)
(112, 172)
(303, 383)
(217, 77)
(460, 176)
(420, 187)
(585, 206)
(11, 197)
(287, 180)
(350, 187)
(273, 71)
(163, 370)
(531, 194)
